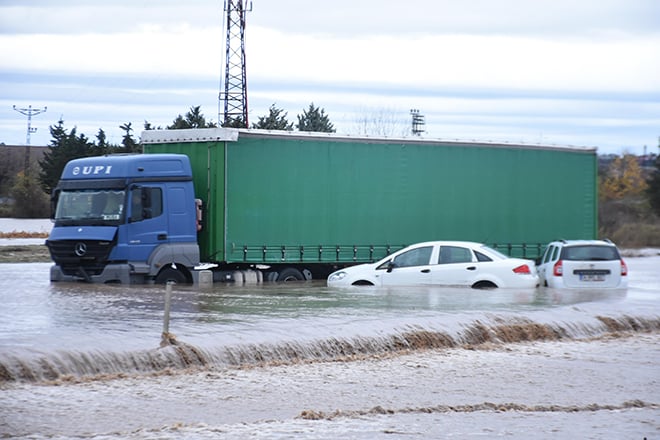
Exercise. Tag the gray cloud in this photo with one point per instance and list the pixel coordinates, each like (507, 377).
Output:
(597, 87)
(343, 18)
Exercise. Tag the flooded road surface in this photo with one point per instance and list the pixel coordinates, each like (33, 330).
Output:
(307, 361)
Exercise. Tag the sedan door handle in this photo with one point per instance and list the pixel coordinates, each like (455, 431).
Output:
(426, 270)
(471, 268)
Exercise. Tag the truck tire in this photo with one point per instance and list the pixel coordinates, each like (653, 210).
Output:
(250, 277)
(290, 274)
(238, 276)
(170, 274)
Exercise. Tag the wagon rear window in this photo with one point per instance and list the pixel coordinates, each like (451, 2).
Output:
(590, 253)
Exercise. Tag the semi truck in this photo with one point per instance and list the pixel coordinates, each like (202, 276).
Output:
(258, 205)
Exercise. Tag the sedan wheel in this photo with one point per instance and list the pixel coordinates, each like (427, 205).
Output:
(484, 285)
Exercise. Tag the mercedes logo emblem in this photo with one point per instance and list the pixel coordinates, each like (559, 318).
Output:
(80, 249)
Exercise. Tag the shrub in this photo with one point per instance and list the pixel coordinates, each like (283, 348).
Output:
(635, 235)
(29, 199)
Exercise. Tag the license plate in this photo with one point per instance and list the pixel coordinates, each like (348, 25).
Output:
(589, 277)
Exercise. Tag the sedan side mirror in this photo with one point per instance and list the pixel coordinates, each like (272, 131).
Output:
(390, 266)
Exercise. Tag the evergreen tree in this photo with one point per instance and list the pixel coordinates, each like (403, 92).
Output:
(63, 147)
(315, 119)
(101, 139)
(102, 146)
(235, 123)
(147, 126)
(128, 143)
(193, 119)
(274, 121)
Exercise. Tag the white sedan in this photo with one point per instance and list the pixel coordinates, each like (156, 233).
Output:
(445, 263)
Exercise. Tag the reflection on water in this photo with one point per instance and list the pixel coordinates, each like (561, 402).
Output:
(50, 327)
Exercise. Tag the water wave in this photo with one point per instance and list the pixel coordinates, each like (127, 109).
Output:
(176, 357)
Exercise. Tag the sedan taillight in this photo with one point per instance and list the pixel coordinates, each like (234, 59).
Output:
(558, 270)
(524, 269)
(624, 268)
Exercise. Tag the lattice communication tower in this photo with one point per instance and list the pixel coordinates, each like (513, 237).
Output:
(233, 92)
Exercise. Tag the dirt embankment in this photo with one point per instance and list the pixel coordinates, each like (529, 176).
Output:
(24, 254)
(33, 253)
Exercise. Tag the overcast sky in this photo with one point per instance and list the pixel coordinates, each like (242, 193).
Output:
(562, 72)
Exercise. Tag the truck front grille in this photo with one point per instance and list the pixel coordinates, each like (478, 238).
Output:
(74, 255)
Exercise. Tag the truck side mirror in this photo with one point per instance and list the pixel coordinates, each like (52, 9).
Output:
(198, 213)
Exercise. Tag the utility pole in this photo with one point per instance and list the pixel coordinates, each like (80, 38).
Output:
(233, 94)
(417, 122)
(29, 112)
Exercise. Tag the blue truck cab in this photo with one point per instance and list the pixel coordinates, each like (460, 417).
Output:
(125, 219)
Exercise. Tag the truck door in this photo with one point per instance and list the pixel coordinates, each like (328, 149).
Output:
(147, 223)
(181, 212)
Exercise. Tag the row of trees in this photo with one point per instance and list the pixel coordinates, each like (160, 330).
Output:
(70, 145)
(311, 119)
(30, 188)
(629, 202)
(629, 205)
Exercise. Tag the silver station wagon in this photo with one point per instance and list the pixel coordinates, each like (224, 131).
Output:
(583, 264)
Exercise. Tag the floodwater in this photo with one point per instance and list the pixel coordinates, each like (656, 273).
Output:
(306, 361)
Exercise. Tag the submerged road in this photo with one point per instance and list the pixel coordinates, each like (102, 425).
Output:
(306, 361)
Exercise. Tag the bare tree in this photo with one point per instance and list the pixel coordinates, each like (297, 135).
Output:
(381, 122)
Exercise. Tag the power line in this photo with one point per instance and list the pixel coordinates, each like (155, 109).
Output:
(418, 122)
(29, 112)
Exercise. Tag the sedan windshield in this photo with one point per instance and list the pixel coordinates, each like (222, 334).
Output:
(90, 206)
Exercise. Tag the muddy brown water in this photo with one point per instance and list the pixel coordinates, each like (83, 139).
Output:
(272, 352)
(49, 331)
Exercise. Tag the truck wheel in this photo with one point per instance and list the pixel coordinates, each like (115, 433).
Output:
(290, 274)
(169, 274)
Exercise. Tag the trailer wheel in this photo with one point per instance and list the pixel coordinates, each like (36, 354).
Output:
(170, 274)
(290, 274)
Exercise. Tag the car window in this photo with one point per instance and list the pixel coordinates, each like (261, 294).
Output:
(544, 258)
(555, 251)
(495, 253)
(548, 252)
(590, 253)
(384, 265)
(454, 254)
(482, 257)
(146, 202)
(414, 257)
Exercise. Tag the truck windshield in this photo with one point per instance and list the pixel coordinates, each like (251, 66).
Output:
(91, 206)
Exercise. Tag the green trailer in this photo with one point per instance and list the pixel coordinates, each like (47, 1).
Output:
(307, 203)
